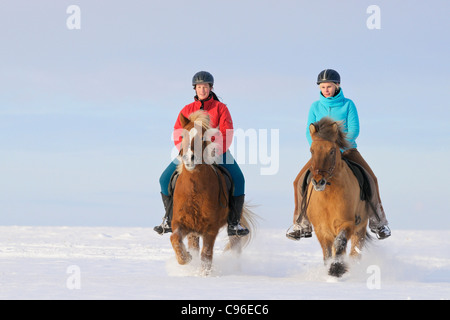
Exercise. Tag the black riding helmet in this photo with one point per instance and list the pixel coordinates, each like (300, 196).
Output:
(328, 75)
(203, 77)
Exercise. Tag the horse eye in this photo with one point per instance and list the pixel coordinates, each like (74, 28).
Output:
(332, 151)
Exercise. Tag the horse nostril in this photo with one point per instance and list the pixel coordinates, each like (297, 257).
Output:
(321, 182)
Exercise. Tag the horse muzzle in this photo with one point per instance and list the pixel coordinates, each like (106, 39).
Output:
(319, 185)
(189, 166)
(190, 160)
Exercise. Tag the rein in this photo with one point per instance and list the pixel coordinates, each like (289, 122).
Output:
(304, 205)
(221, 192)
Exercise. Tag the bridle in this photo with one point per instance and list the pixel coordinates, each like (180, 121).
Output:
(216, 170)
(330, 170)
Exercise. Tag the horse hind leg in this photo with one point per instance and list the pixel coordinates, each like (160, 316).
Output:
(358, 240)
(234, 244)
(338, 266)
(182, 255)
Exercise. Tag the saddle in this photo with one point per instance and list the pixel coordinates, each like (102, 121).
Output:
(360, 174)
(228, 180)
(363, 179)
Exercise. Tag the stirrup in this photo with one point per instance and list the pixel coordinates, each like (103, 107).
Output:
(382, 232)
(237, 230)
(298, 234)
(163, 228)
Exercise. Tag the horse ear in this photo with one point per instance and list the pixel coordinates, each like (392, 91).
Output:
(312, 129)
(335, 127)
(184, 121)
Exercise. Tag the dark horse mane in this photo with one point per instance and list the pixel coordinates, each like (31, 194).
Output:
(326, 130)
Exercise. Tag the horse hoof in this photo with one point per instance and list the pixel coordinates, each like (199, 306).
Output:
(206, 269)
(184, 258)
(188, 257)
(337, 269)
(206, 272)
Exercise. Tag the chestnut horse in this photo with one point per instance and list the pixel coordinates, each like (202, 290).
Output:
(201, 198)
(334, 205)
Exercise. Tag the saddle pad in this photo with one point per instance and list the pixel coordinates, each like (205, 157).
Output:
(363, 179)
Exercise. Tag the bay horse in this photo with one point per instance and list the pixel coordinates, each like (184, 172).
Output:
(334, 205)
(201, 198)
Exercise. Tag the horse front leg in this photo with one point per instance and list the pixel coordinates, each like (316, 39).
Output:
(183, 256)
(207, 253)
(326, 245)
(338, 266)
(193, 243)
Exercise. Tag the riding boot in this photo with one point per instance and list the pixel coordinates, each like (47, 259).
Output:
(234, 217)
(378, 223)
(302, 226)
(165, 226)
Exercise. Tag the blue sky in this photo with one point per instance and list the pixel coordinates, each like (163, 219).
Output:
(86, 115)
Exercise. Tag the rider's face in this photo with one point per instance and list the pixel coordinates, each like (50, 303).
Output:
(203, 90)
(328, 89)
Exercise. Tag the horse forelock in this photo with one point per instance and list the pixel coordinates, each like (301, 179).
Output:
(197, 118)
(325, 130)
(201, 116)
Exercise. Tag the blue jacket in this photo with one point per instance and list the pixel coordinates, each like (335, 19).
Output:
(338, 108)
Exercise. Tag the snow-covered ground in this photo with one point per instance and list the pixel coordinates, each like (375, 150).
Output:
(136, 263)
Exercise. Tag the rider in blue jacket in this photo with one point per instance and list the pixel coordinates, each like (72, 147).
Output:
(333, 104)
(338, 108)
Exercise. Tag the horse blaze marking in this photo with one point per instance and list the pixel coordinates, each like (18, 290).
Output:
(192, 133)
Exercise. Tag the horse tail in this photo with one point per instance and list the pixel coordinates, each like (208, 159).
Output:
(249, 220)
